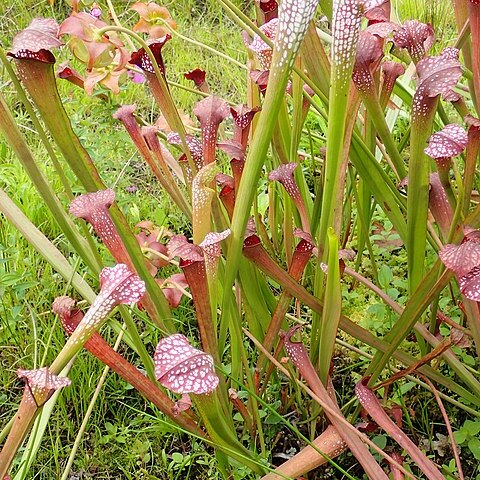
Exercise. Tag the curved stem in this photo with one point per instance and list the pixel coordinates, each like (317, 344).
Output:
(160, 255)
(178, 124)
(204, 46)
(111, 9)
(133, 68)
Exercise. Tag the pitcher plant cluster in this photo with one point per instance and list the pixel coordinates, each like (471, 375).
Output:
(314, 140)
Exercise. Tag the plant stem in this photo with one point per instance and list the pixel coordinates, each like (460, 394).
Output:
(332, 310)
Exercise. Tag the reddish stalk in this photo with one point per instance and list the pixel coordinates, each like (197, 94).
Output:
(193, 265)
(300, 259)
(227, 193)
(439, 205)
(94, 208)
(443, 346)
(373, 407)
(97, 346)
(242, 119)
(195, 273)
(329, 442)
(298, 355)
(284, 175)
(241, 408)
(236, 153)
